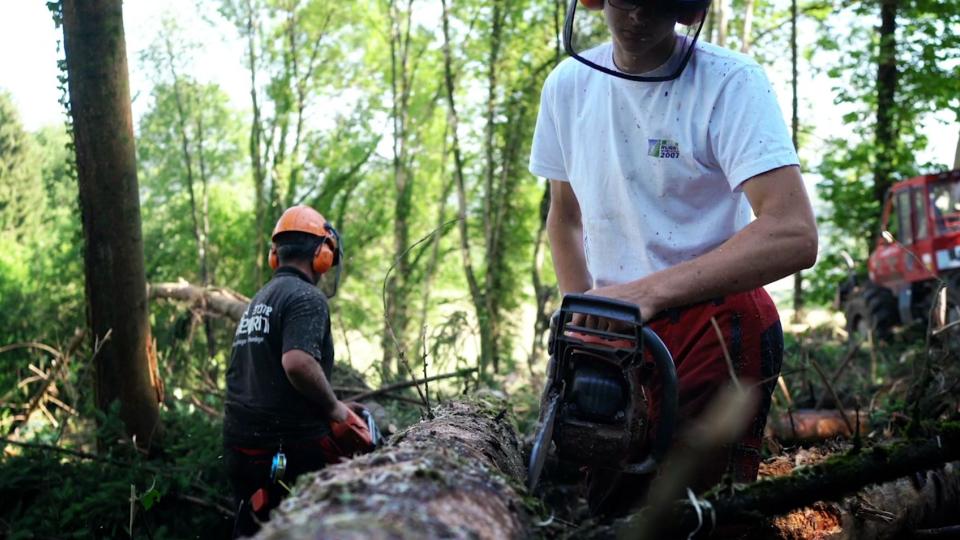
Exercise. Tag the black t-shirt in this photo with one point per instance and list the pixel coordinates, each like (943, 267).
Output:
(263, 408)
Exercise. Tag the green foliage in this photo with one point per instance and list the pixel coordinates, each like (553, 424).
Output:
(51, 494)
(21, 195)
(353, 119)
(927, 38)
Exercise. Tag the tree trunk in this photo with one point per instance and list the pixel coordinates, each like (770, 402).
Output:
(832, 480)
(795, 129)
(396, 308)
(110, 207)
(746, 41)
(722, 22)
(812, 425)
(956, 156)
(212, 300)
(453, 120)
(250, 31)
(886, 131)
(881, 511)
(542, 293)
(454, 476)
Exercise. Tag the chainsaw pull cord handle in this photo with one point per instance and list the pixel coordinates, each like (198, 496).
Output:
(669, 402)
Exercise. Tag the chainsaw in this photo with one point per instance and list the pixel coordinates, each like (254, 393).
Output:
(594, 410)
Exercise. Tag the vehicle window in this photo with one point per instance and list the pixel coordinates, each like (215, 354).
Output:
(903, 210)
(893, 221)
(945, 200)
(920, 213)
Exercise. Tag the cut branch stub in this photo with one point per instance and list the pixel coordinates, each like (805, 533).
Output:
(458, 475)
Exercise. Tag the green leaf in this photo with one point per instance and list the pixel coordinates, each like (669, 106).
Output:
(150, 498)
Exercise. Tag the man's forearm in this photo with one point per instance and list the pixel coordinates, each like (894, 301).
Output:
(763, 252)
(781, 241)
(307, 377)
(569, 261)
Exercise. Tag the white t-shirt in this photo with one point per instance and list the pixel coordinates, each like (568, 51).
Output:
(657, 167)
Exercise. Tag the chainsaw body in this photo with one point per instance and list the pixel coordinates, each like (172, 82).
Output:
(602, 412)
(595, 409)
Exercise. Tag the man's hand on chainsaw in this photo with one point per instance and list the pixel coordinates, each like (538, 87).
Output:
(647, 306)
(349, 434)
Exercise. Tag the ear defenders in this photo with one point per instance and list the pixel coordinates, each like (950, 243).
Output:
(307, 220)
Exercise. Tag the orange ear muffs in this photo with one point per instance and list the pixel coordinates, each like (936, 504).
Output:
(592, 4)
(274, 258)
(324, 257)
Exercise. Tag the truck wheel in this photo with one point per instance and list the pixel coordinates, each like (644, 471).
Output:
(871, 307)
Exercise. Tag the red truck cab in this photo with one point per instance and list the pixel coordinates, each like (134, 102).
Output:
(920, 245)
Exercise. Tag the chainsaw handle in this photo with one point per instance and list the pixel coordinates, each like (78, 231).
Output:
(600, 306)
(669, 394)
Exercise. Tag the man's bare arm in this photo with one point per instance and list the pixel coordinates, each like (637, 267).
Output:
(306, 375)
(781, 241)
(565, 231)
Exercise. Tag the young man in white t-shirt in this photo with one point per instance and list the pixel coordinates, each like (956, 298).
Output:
(657, 148)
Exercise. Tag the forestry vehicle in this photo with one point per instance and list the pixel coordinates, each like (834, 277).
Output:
(914, 270)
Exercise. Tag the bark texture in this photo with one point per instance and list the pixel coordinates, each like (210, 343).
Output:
(888, 510)
(116, 290)
(457, 475)
(872, 485)
(212, 300)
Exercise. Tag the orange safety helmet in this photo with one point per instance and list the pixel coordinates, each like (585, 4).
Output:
(304, 219)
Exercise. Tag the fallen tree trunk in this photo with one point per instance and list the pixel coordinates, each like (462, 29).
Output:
(457, 475)
(889, 510)
(212, 300)
(832, 480)
(812, 425)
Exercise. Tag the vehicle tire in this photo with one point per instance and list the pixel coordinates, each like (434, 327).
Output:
(872, 307)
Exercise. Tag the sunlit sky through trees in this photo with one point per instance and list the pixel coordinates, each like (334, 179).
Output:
(28, 68)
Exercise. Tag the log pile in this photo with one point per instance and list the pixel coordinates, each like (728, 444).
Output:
(457, 475)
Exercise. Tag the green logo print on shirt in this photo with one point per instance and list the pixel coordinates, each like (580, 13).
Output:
(663, 148)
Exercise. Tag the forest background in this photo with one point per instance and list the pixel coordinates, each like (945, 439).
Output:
(410, 131)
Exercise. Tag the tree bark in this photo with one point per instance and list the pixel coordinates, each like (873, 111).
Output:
(215, 300)
(881, 511)
(396, 308)
(110, 208)
(747, 27)
(722, 16)
(886, 131)
(832, 480)
(454, 476)
(956, 156)
(795, 129)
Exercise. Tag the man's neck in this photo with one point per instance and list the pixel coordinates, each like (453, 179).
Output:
(303, 268)
(650, 60)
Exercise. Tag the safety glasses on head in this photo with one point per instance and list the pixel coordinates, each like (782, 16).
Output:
(582, 33)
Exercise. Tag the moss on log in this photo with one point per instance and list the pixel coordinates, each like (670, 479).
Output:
(832, 480)
(840, 476)
(458, 475)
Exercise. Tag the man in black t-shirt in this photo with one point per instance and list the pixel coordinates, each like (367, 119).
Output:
(282, 418)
